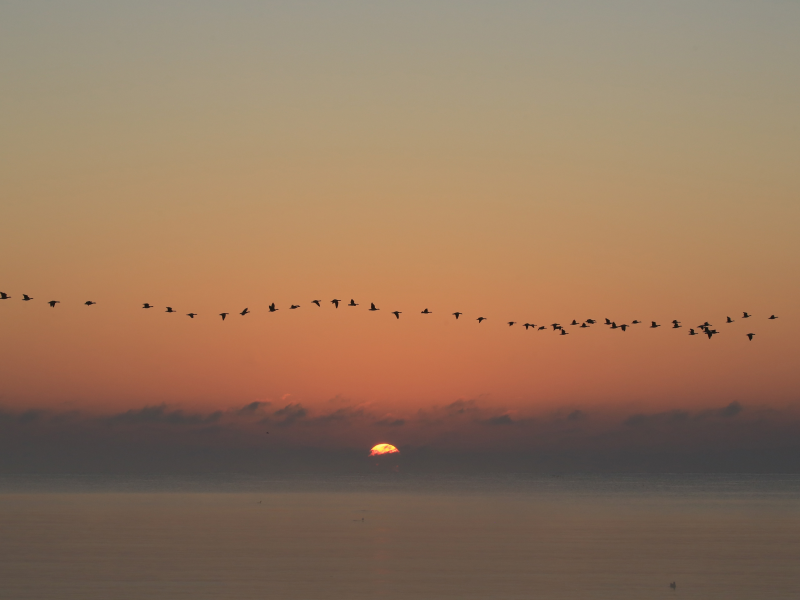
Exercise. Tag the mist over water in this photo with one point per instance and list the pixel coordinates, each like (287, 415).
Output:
(400, 536)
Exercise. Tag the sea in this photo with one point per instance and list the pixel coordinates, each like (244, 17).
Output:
(395, 536)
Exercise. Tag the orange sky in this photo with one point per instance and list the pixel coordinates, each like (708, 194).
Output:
(517, 162)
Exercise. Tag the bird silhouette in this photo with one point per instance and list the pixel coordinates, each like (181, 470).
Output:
(706, 324)
(89, 303)
(510, 323)
(480, 319)
(223, 315)
(272, 307)
(745, 316)
(372, 306)
(542, 327)
(335, 302)
(591, 321)
(146, 305)
(426, 312)
(169, 309)
(245, 312)
(750, 336)
(584, 326)
(555, 326)
(772, 317)
(635, 322)
(397, 313)
(191, 315)
(526, 325)
(352, 303)
(564, 332)
(653, 325)
(293, 306)
(574, 322)
(53, 303)
(317, 302)
(728, 320)
(25, 297)
(457, 314)
(614, 325)
(4, 296)
(675, 325)
(676, 322)
(692, 332)
(608, 321)
(624, 326)
(710, 332)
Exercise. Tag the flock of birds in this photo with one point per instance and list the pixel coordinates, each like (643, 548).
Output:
(704, 329)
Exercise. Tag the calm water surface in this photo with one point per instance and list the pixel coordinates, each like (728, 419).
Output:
(400, 537)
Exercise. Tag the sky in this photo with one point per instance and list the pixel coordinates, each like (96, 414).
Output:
(521, 161)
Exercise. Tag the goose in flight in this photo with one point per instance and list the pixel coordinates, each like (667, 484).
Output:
(170, 309)
(542, 327)
(772, 317)
(591, 321)
(223, 315)
(635, 322)
(293, 306)
(745, 316)
(564, 331)
(4, 296)
(335, 302)
(89, 303)
(53, 303)
(526, 325)
(608, 321)
(480, 319)
(191, 315)
(584, 326)
(624, 326)
(614, 325)
(653, 325)
(510, 323)
(555, 326)
(272, 307)
(397, 313)
(710, 332)
(146, 305)
(457, 314)
(692, 332)
(25, 297)
(317, 302)
(676, 325)
(728, 320)
(426, 312)
(372, 307)
(676, 322)
(750, 336)
(574, 322)
(352, 303)
(245, 312)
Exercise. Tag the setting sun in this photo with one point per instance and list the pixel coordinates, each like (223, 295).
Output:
(383, 449)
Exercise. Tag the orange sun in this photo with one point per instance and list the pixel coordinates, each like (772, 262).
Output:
(383, 449)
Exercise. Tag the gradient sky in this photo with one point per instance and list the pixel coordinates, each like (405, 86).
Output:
(520, 161)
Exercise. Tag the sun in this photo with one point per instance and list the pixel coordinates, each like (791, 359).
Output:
(383, 449)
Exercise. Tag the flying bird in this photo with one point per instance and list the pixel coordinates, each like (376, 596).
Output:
(457, 314)
(574, 322)
(223, 315)
(728, 320)
(335, 303)
(635, 322)
(584, 326)
(710, 332)
(169, 309)
(542, 327)
(293, 306)
(614, 325)
(510, 323)
(608, 321)
(89, 303)
(480, 319)
(750, 336)
(272, 307)
(555, 326)
(676, 325)
(4, 296)
(25, 297)
(53, 303)
(146, 305)
(692, 332)
(591, 321)
(745, 316)
(397, 313)
(426, 312)
(372, 306)
(624, 326)
(191, 315)
(352, 303)
(676, 322)
(564, 332)
(245, 312)
(771, 317)
(526, 325)
(315, 302)
(653, 325)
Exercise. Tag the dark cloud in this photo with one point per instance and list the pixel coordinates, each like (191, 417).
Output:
(290, 414)
(733, 409)
(672, 416)
(576, 415)
(250, 409)
(161, 414)
(389, 421)
(500, 420)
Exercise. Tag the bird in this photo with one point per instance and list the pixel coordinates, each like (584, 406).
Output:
(352, 303)
(555, 326)
(653, 325)
(772, 317)
(426, 312)
(245, 312)
(510, 323)
(584, 326)
(591, 321)
(608, 321)
(745, 316)
(372, 306)
(25, 297)
(223, 315)
(635, 322)
(480, 319)
(564, 332)
(728, 320)
(676, 322)
(89, 303)
(692, 332)
(457, 314)
(4, 296)
(335, 302)
(624, 326)
(169, 309)
(614, 325)
(272, 307)
(397, 313)
(293, 306)
(526, 325)
(675, 325)
(542, 327)
(146, 305)
(53, 303)
(706, 324)
(750, 336)
(317, 302)
(191, 315)
(574, 322)
(710, 332)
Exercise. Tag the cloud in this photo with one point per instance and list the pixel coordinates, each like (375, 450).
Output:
(161, 414)
(733, 409)
(500, 420)
(290, 414)
(390, 421)
(672, 416)
(252, 408)
(576, 415)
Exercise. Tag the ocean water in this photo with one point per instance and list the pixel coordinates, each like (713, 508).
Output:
(398, 537)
